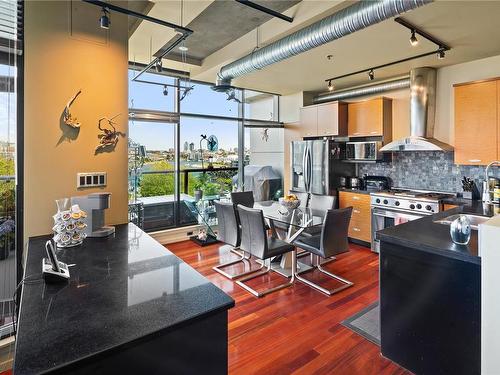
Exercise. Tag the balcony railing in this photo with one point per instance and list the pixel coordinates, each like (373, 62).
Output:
(156, 194)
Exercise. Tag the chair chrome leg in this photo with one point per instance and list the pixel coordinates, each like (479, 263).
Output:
(328, 292)
(241, 282)
(243, 258)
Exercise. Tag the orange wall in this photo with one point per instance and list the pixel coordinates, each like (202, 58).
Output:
(65, 50)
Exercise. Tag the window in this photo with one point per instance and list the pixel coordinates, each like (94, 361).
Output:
(208, 124)
(203, 100)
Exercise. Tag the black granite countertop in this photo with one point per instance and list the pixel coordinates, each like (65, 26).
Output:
(426, 235)
(122, 288)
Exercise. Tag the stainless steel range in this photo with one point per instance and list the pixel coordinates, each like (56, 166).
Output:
(399, 206)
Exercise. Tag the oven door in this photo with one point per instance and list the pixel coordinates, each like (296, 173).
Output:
(384, 218)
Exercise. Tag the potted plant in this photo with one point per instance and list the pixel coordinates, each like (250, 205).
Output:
(198, 186)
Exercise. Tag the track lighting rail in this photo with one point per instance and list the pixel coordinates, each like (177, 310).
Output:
(265, 10)
(422, 33)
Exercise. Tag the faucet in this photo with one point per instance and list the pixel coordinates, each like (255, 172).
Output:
(486, 186)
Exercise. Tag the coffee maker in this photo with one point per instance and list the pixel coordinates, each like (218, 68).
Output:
(95, 204)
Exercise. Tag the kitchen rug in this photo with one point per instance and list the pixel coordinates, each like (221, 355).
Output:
(366, 323)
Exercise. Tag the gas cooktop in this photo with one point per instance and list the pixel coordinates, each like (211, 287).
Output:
(424, 202)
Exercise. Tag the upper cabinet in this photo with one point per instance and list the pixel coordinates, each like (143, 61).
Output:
(477, 122)
(370, 118)
(323, 120)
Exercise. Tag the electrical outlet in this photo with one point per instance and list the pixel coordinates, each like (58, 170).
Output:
(91, 179)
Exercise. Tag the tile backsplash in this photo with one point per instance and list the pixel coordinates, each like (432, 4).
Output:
(427, 170)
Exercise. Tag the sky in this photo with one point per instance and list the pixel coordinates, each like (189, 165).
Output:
(202, 99)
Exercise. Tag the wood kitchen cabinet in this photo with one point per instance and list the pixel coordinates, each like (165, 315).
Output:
(370, 118)
(360, 227)
(324, 120)
(477, 122)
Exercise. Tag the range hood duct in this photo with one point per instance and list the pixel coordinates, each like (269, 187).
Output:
(346, 21)
(371, 89)
(422, 114)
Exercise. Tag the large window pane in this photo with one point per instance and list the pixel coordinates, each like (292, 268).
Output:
(203, 100)
(7, 197)
(151, 96)
(151, 172)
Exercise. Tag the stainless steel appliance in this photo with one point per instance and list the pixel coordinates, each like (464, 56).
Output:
(376, 183)
(399, 206)
(364, 151)
(95, 204)
(356, 183)
(316, 166)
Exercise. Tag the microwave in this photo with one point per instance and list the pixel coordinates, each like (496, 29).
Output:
(364, 151)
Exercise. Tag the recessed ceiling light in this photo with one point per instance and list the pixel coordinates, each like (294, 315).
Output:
(183, 48)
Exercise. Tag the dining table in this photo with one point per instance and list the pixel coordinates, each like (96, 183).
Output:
(296, 221)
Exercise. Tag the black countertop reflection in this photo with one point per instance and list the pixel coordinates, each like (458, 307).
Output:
(122, 288)
(423, 234)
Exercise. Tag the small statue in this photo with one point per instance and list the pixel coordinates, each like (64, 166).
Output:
(108, 137)
(68, 118)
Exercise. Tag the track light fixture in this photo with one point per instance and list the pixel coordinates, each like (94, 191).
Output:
(371, 75)
(158, 66)
(104, 21)
(413, 39)
(165, 90)
(330, 86)
(441, 54)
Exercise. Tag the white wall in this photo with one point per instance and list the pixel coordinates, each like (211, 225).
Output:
(446, 78)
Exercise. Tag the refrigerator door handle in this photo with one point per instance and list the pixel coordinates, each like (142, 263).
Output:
(309, 169)
(304, 167)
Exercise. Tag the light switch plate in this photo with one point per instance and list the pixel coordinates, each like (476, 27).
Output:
(91, 179)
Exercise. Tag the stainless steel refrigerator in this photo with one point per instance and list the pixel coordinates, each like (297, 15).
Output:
(316, 166)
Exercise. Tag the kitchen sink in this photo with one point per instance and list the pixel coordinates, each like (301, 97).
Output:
(475, 220)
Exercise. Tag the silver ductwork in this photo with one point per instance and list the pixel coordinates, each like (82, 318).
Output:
(346, 21)
(422, 114)
(370, 89)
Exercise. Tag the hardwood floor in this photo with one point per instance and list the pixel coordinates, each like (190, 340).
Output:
(297, 330)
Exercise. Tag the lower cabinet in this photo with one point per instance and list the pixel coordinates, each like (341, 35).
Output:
(360, 226)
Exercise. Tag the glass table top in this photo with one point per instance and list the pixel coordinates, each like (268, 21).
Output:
(302, 217)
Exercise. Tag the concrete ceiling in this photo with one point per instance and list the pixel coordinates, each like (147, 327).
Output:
(469, 27)
(214, 27)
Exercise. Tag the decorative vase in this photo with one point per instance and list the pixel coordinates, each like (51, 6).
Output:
(460, 230)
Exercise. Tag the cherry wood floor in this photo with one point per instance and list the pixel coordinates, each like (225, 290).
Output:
(297, 330)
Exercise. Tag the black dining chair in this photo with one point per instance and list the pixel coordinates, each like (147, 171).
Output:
(332, 241)
(319, 203)
(229, 232)
(254, 240)
(245, 198)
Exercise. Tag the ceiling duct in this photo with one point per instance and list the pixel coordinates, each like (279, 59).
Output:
(372, 89)
(346, 21)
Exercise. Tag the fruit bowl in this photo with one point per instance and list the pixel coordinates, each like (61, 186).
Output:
(290, 201)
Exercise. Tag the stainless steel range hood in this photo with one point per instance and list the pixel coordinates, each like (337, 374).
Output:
(422, 113)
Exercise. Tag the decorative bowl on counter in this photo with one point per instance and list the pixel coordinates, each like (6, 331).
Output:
(290, 201)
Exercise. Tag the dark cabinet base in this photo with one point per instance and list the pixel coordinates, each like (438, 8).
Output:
(199, 347)
(430, 309)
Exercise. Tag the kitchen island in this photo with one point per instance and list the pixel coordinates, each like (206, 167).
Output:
(430, 296)
(130, 306)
